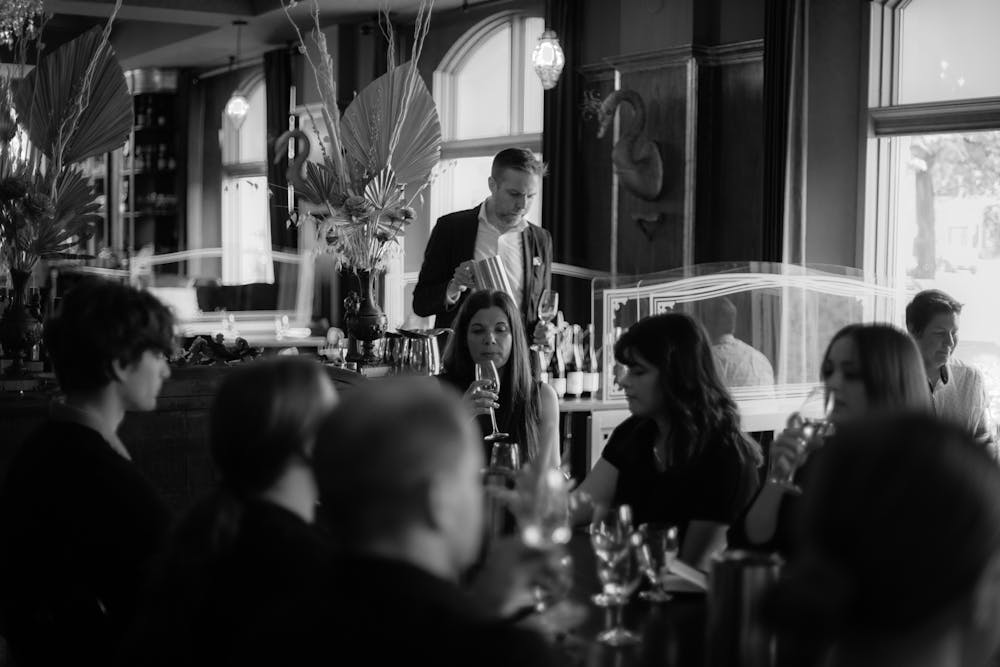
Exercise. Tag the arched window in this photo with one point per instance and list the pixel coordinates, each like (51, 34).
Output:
(246, 232)
(489, 98)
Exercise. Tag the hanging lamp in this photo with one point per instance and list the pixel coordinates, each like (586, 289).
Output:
(237, 106)
(548, 59)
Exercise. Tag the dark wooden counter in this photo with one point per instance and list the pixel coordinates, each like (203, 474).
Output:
(169, 444)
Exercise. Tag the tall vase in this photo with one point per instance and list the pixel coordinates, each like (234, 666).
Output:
(20, 329)
(365, 320)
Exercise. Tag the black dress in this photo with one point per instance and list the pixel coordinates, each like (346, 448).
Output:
(79, 525)
(715, 485)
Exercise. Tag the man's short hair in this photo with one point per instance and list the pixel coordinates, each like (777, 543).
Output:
(925, 306)
(521, 159)
(379, 450)
(719, 317)
(101, 321)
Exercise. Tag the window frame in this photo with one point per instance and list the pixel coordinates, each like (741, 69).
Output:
(887, 119)
(446, 98)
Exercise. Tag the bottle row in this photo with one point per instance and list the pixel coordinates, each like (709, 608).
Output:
(150, 157)
(572, 368)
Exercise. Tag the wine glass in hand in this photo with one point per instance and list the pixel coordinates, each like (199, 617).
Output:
(487, 370)
(806, 429)
(548, 306)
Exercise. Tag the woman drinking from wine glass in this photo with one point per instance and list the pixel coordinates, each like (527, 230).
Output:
(866, 367)
(680, 458)
(899, 554)
(489, 335)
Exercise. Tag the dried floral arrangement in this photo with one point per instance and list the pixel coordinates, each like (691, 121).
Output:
(72, 105)
(376, 159)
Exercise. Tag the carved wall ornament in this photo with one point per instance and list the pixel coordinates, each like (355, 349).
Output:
(637, 159)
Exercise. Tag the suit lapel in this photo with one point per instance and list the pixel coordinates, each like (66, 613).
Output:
(527, 256)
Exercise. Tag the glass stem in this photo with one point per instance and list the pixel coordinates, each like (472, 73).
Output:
(618, 609)
(493, 418)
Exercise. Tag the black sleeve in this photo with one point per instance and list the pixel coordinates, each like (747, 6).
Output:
(616, 449)
(435, 272)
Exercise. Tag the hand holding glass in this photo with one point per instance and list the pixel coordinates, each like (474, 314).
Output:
(487, 370)
(813, 422)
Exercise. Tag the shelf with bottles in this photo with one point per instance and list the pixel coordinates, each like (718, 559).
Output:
(149, 158)
(572, 368)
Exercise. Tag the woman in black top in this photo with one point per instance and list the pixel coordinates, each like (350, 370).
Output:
(681, 457)
(869, 367)
(489, 328)
(239, 573)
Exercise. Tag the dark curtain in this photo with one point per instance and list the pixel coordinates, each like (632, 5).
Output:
(560, 137)
(784, 129)
(278, 82)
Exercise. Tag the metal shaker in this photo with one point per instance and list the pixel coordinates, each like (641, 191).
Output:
(490, 274)
(736, 635)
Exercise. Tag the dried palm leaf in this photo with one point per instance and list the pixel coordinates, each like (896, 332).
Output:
(393, 123)
(84, 72)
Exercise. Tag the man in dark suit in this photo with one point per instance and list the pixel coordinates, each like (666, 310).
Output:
(494, 228)
(398, 468)
(78, 522)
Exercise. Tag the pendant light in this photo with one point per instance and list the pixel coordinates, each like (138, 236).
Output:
(237, 106)
(548, 59)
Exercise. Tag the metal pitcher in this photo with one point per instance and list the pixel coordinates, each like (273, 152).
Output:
(423, 351)
(490, 274)
(395, 354)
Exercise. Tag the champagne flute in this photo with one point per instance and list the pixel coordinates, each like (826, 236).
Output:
(487, 370)
(656, 553)
(813, 417)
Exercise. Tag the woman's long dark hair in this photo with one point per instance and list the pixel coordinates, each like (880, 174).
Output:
(890, 366)
(519, 412)
(695, 401)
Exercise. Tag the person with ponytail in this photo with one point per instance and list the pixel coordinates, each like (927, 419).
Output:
(241, 564)
(868, 367)
(898, 550)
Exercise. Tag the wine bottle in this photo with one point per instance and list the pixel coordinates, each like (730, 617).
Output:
(574, 363)
(591, 369)
(557, 368)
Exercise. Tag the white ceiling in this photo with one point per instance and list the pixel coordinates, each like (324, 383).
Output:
(201, 34)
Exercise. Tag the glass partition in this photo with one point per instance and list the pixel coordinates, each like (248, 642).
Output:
(769, 323)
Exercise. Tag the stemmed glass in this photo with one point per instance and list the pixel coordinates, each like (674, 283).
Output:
(610, 533)
(657, 552)
(487, 370)
(548, 306)
(813, 418)
(619, 578)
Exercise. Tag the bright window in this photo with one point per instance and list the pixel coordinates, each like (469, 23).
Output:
(489, 98)
(933, 190)
(246, 230)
